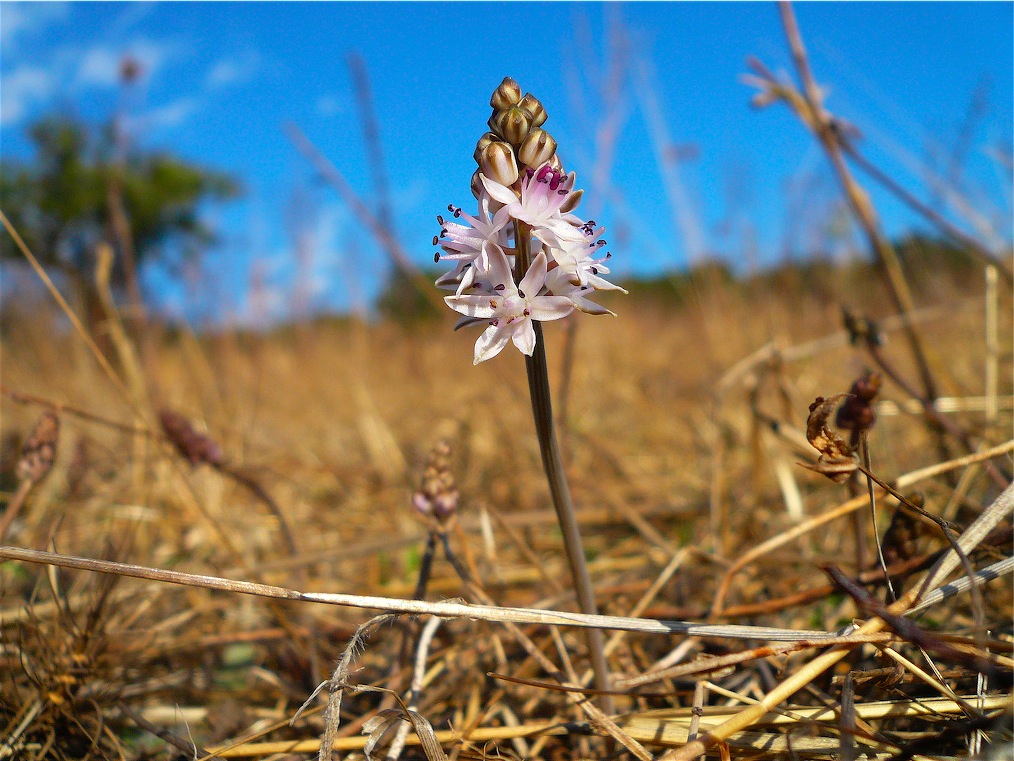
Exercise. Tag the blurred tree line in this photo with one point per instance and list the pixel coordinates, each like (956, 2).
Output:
(83, 188)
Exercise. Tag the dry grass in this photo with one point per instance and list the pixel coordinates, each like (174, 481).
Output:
(676, 473)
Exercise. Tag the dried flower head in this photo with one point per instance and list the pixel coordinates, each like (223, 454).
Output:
(437, 495)
(525, 256)
(837, 459)
(39, 452)
(196, 447)
(857, 413)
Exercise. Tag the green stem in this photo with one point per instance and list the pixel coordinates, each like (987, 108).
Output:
(552, 462)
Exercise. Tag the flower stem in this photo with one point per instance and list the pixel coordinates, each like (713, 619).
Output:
(542, 411)
(545, 430)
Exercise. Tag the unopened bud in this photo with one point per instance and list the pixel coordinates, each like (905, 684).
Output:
(534, 107)
(498, 163)
(538, 148)
(506, 95)
(476, 185)
(555, 164)
(572, 201)
(513, 124)
(480, 146)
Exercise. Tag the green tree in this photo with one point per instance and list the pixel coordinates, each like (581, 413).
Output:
(70, 196)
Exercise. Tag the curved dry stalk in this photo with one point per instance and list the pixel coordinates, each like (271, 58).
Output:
(336, 685)
(71, 315)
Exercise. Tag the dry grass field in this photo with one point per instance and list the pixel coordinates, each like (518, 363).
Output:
(337, 538)
(683, 431)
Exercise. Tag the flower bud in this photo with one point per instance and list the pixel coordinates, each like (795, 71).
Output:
(513, 124)
(480, 146)
(555, 164)
(538, 148)
(506, 95)
(534, 107)
(572, 201)
(476, 185)
(498, 163)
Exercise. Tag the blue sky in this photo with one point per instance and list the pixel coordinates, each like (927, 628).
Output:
(221, 79)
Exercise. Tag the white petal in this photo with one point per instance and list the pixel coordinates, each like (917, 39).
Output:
(500, 269)
(590, 307)
(472, 304)
(491, 343)
(467, 279)
(546, 308)
(601, 284)
(524, 337)
(498, 192)
(535, 278)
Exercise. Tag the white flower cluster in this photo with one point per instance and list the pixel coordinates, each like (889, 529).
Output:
(561, 246)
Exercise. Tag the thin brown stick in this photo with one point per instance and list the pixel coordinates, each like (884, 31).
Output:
(859, 201)
(65, 307)
(330, 173)
(973, 246)
(445, 609)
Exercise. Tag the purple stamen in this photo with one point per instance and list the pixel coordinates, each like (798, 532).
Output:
(500, 287)
(521, 293)
(440, 220)
(436, 258)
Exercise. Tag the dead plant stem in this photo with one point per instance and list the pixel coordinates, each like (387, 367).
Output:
(863, 210)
